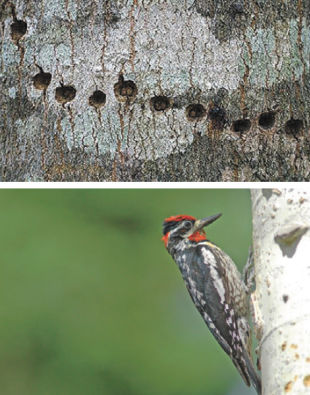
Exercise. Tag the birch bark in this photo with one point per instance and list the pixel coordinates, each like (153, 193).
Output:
(281, 222)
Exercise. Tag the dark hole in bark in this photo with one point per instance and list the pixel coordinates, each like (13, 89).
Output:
(241, 125)
(115, 18)
(267, 119)
(293, 126)
(125, 90)
(97, 99)
(42, 80)
(18, 29)
(285, 298)
(160, 103)
(195, 112)
(65, 94)
(218, 116)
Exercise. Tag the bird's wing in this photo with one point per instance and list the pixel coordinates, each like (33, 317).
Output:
(210, 290)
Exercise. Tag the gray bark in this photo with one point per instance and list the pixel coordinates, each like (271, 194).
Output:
(245, 62)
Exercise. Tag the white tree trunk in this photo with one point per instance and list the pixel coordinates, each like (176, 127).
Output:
(281, 221)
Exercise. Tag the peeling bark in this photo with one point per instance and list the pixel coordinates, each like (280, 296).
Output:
(189, 90)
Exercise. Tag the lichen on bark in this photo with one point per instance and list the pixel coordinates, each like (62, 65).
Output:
(238, 62)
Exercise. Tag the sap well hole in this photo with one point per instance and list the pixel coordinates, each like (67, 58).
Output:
(293, 126)
(65, 94)
(160, 103)
(18, 29)
(266, 120)
(125, 91)
(241, 125)
(97, 99)
(218, 117)
(195, 112)
(42, 80)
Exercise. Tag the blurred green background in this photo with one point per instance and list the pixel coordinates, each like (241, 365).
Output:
(92, 303)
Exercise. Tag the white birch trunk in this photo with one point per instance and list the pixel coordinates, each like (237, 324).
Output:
(281, 236)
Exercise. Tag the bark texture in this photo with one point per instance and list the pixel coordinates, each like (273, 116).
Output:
(132, 90)
(281, 223)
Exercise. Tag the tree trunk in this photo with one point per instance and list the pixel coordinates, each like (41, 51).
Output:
(281, 222)
(142, 90)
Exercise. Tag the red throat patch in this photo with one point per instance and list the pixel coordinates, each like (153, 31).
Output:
(198, 236)
(165, 239)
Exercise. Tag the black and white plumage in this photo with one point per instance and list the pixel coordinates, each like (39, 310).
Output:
(216, 288)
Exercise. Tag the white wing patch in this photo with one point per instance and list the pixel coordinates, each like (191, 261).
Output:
(218, 283)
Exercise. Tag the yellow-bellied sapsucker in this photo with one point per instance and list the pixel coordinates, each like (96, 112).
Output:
(216, 288)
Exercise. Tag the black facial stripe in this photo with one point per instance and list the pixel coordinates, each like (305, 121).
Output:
(167, 226)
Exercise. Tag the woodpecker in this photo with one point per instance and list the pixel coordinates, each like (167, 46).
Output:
(216, 288)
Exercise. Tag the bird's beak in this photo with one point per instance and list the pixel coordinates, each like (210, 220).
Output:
(201, 223)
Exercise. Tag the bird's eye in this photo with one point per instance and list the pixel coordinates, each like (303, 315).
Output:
(187, 225)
